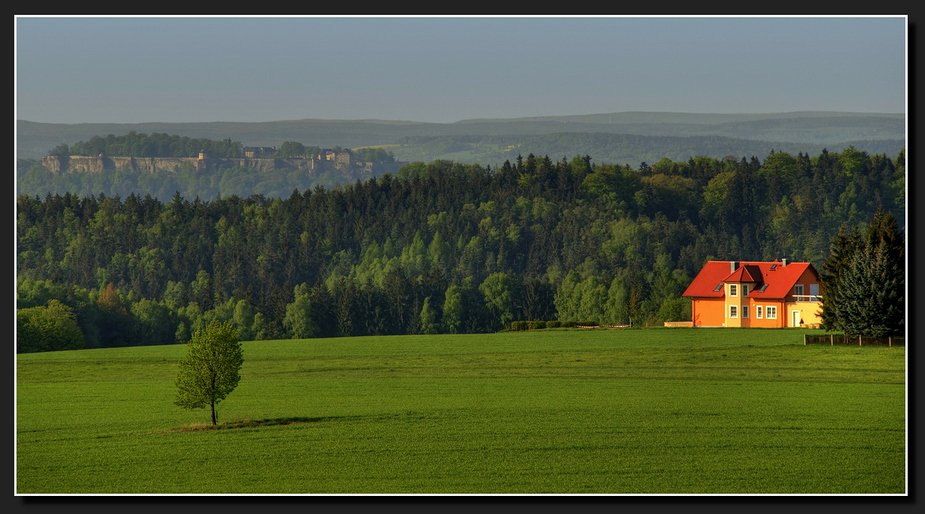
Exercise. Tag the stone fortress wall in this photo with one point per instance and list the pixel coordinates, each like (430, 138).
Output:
(327, 161)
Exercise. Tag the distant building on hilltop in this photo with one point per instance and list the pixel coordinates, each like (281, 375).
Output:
(258, 158)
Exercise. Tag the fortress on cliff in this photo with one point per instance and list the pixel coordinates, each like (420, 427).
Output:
(254, 158)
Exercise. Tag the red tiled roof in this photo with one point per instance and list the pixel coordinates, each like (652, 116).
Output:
(780, 280)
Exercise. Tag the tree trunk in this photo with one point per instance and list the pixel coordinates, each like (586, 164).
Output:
(213, 412)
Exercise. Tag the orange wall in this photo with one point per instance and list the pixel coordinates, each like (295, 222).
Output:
(709, 312)
(764, 322)
(806, 279)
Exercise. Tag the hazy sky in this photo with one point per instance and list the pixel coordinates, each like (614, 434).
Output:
(200, 69)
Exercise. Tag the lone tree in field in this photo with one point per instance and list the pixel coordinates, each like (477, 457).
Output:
(209, 372)
(864, 280)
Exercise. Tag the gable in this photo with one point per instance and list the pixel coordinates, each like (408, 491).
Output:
(744, 273)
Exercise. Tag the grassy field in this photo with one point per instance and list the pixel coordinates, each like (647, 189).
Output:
(650, 411)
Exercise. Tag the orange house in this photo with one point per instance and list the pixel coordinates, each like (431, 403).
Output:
(755, 294)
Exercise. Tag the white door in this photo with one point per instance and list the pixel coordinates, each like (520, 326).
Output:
(794, 318)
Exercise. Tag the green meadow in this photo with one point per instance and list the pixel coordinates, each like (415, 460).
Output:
(645, 411)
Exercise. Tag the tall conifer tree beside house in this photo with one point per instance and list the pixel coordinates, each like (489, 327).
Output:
(865, 282)
(841, 250)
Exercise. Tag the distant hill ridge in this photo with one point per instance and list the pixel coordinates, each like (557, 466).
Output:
(684, 117)
(817, 130)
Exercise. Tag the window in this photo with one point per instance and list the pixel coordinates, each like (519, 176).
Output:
(745, 311)
(758, 311)
(771, 312)
(744, 289)
(732, 311)
(732, 290)
(798, 290)
(814, 292)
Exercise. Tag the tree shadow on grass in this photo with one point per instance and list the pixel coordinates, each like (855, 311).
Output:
(251, 423)
(295, 420)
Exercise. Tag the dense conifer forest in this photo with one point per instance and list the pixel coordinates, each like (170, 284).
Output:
(439, 247)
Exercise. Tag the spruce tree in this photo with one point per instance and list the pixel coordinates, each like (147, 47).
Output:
(865, 282)
(841, 251)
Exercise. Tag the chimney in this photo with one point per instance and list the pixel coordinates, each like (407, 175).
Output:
(783, 262)
(732, 266)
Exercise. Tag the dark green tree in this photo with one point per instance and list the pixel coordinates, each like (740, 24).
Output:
(864, 280)
(48, 328)
(290, 149)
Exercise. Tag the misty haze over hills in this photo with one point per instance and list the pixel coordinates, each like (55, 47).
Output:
(627, 137)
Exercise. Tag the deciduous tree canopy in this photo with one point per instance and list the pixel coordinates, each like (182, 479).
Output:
(210, 371)
(52, 327)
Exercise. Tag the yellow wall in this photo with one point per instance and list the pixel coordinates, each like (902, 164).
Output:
(809, 312)
(738, 301)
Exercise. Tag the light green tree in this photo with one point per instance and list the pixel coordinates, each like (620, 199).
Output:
(498, 292)
(453, 310)
(439, 252)
(615, 308)
(300, 321)
(578, 299)
(211, 368)
(429, 324)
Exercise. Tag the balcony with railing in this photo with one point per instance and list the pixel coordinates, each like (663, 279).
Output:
(807, 297)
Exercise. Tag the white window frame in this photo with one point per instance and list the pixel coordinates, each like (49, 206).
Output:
(744, 289)
(732, 311)
(798, 290)
(759, 311)
(771, 312)
(732, 290)
(744, 311)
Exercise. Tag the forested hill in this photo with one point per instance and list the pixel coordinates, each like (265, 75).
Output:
(615, 138)
(441, 247)
(614, 148)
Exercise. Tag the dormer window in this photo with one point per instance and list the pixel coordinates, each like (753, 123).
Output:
(732, 290)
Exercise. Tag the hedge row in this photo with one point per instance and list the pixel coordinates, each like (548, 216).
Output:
(518, 326)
